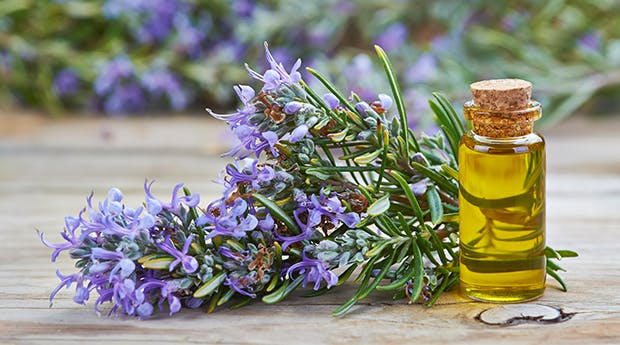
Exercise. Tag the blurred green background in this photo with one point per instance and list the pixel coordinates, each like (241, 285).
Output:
(132, 57)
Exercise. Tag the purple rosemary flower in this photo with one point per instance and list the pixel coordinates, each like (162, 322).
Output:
(189, 263)
(111, 261)
(420, 187)
(385, 101)
(312, 211)
(81, 294)
(155, 206)
(73, 240)
(277, 75)
(293, 107)
(331, 101)
(123, 295)
(393, 37)
(228, 219)
(66, 82)
(314, 270)
(364, 108)
(331, 207)
(298, 133)
(114, 218)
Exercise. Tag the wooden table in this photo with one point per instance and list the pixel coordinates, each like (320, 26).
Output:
(48, 167)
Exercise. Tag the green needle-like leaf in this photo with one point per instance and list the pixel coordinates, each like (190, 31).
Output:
(400, 104)
(277, 212)
(210, 286)
(380, 206)
(331, 88)
(435, 205)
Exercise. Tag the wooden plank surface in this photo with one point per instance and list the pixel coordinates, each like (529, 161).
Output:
(47, 168)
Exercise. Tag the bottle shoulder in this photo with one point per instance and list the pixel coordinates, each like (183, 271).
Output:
(523, 144)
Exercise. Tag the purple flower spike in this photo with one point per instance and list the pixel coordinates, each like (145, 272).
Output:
(298, 133)
(189, 263)
(314, 270)
(174, 205)
(363, 108)
(293, 107)
(73, 241)
(385, 100)
(419, 187)
(331, 100)
(277, 75)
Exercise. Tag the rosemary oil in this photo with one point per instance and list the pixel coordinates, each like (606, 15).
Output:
(502, 195)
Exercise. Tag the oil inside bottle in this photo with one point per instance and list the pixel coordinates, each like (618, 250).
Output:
(502, 217)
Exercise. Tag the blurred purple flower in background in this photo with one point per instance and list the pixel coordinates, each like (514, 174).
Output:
(360, 67)
(424, 69)
(243, 8)
(66, 82)
(163, 82)
(590, 41)
(125, 98)
(112, 73)
(189, 38)
(393, 37)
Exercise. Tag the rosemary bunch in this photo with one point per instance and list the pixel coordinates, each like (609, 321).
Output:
(323, 188)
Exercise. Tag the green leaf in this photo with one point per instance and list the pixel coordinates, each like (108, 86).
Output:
(450, 171)
(210, 286)
(318, 173)
(386, 267)
(331, 88)
(379, 248)
(277, 212)
(343, 309)
(225, 297)
(338, 136)
(557, 277)
(386, 145)
(380, 206)
(283, 291)
(447, 281)
(367, 158)
(440, 180)
(435, 205)
(158, 263)
(409, 194)
(400, 104)
(455, 120)
(567, 253)
(418, 278)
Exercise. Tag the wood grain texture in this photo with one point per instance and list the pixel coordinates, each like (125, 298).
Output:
(48, 167)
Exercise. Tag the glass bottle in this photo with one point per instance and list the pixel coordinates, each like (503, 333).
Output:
(502, 195)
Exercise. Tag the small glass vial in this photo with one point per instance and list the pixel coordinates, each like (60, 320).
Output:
(502, 195)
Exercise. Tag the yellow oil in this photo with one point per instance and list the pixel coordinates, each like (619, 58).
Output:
(502, 217)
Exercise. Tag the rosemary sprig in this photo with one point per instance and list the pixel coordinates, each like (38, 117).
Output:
(334, 185)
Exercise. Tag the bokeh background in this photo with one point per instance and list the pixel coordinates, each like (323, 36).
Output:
(137, 57)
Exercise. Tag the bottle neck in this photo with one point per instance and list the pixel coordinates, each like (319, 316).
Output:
(500, 124)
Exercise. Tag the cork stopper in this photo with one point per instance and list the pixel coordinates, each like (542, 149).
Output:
(502, 108)
(501, 94)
